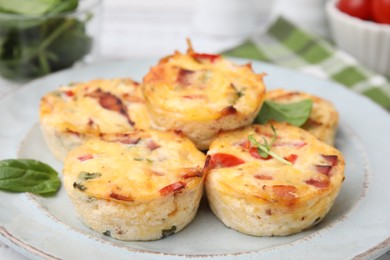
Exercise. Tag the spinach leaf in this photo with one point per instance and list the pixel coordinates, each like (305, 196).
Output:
(37, 7)
(167, 232)
(294, 113)
(75, 39)
(26, 7)
(26, 175)
(37, 45)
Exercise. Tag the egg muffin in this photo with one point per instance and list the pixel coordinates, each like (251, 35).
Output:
(288, 186)
(135, 186)
(324, 118)
(201, 94)
(74, 112)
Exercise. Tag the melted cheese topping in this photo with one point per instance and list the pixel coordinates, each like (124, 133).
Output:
(270, 180)
(200, 89)
(79, 108)
(135, 167)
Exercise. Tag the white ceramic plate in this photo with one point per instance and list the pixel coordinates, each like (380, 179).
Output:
(357, 226)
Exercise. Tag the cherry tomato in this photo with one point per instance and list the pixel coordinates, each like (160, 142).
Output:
(381, 11)
(356, 8)
(221, 160)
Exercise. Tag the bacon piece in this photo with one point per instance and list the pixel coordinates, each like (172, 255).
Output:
(90, 122)
(179, 132)
(291, 158)
(205, 57)
(263, 177)
(207, 163)
(172, 188)
(192, 172)
(120, 197)
(318, 183)
(111, 102)
(285, 193)
(255, 154)
(85, 157)
(184, 77)
(332, 159)
(230, 110)
(69, 93)
(324, 169)
(248, 65)
(221, 160)
(152, 145)
(72, 132)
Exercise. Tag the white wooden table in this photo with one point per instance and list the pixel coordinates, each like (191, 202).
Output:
(151, 28)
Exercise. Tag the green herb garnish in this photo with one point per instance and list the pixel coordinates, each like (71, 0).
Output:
(167, 232)
(84, 176)
(79, 186)
(40, 42)
(26, 175)
(143, 159)
(239, 93)
(294, 113)
(264, 149)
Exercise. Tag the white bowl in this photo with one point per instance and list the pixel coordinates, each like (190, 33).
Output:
(369, 42)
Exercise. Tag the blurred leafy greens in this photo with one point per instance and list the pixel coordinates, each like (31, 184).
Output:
(35, 42)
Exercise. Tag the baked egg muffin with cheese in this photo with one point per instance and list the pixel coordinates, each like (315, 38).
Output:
(74, 112)
(201, 94)
(274, 180)
(323, 119)
(135, 186)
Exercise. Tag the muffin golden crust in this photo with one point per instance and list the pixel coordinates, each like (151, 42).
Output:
(324, 118)
(201, 94)
(135, 186)
(74, 112)
(263, 196)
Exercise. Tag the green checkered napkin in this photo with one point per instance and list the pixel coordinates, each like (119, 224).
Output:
(287, 45)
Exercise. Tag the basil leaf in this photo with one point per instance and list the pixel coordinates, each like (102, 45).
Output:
(26, 175)
(294, 113)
